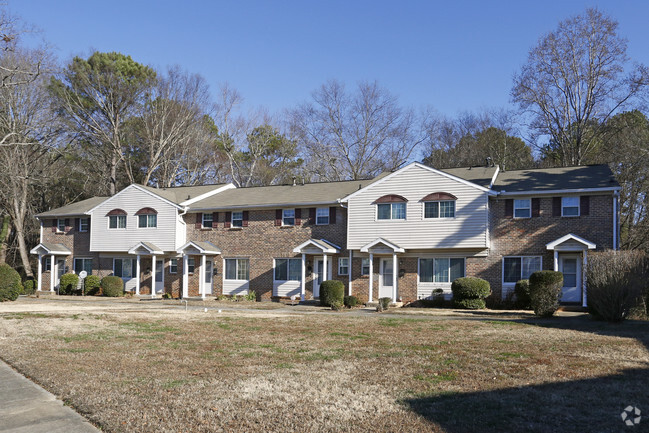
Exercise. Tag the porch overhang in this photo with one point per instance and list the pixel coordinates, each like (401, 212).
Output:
(570, 242)
(46, 248)
(146, 249)
(380, 245)
(199, 248)
(317, 246)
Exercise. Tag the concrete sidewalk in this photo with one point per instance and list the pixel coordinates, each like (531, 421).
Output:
(26, 407)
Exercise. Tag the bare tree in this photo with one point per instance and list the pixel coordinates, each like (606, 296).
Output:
(354, 135)
(574, 80)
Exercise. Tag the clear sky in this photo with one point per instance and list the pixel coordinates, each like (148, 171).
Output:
(450, 55)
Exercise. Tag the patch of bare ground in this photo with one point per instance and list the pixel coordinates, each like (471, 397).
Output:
(145, 370)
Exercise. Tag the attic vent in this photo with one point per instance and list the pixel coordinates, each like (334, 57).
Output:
(188, 196)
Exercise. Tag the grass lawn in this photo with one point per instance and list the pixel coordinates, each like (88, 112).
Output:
(155, 370)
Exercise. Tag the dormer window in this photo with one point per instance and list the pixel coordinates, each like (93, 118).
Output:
(147, 218)
(116, 219)
(439, 205)
(391, 207)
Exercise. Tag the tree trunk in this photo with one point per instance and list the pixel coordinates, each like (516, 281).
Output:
(112, 182)
(5, 230)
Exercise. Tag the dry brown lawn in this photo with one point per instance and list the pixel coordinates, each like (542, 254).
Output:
(152, 369)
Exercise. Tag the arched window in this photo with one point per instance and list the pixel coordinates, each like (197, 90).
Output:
(116, 219)
(439, 205)
(391, 207)
(147, 218)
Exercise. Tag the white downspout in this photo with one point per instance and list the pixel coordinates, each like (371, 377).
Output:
(615, 225)
(349, 271)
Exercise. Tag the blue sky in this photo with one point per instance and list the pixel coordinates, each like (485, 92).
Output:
(451, 55)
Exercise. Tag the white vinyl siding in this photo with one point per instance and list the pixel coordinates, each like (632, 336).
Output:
(287, 274)
(467, 230)
(236, 276)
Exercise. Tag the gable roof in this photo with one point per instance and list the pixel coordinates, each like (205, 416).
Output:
(560, 178)
(482, 175)
(51, 248)
(180, 194)
(78, 208)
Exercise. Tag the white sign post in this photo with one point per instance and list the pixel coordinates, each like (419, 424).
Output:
(82, 277)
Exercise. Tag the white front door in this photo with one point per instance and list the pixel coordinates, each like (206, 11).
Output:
(320, 274)
(208, 277)
(570, 266)
(386, 277)
(60, 270)
(159, 276)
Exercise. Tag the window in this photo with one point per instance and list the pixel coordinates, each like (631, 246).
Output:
(191, 265)
(391, 211)
(237, 269)
(117, 222)
(440, 270)
(207, 221)
(569, 206)
(322, 216)
(124, 268)
(520, 268)
(173, 266)
(147, 221)
(522, 208)
(365, 266)
(48, 263)
(343, 266)
(237, 219)
(83, 265)
(84, 224)
(288, 217)
(288, 269)
(60, 225)
(439, 209)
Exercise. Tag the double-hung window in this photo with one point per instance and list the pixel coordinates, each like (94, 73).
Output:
(520, 268)
(439, 209)
(117, 222)
(522, 208)
(191, 265)
(237, 219)
(173, 266)
(288, 217)
(84, 224)
(237, 269)
(147, 221)
(207, 220)
(60, 225)
(570, 206)
(343, 266)
(322, 216)
(365, 266)
(440, 270)
(391, 211)
(288, 269)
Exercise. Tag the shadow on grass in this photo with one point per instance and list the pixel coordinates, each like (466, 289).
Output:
(593, 405)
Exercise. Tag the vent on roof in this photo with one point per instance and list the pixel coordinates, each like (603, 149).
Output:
(188, 196)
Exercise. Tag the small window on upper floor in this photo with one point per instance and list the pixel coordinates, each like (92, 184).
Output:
(147, 218)
(522, 208)
(117, 219)
(570, 206)
(237, 219)
(391, 207)
(207, 220)
(60, 225)
(288, 217)
(322, 216)
(84, 224)
(439, 205)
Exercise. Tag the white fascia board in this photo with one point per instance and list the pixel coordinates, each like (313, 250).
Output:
(139, 188)
(560, 191)
(493, 179)
(397, 249)
(208, 194)
(552, 245)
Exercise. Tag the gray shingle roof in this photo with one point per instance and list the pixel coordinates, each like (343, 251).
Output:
(78, 208)
(540, 179)
(179, 194)
(479, 175)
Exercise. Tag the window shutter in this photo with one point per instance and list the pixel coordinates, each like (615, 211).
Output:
(199, 220)
(67, 224)
(298, 217)
(332, 215)
(556, 206)
(509, 208)
(215, 220)
(536, 207)
(278, 217)
(245, 218)
(77, 224)
(54, 225)
(228, 220)
(312, 215)
(584, 204)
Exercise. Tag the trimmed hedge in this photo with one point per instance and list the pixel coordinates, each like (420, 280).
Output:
(112, 286)
(471, 304)
(470, 292)
(68, 284)
(29, 287)
(545, 292)
(350, 301)
(91, 285)
(522, 291)
(332, 292)
(10, 284)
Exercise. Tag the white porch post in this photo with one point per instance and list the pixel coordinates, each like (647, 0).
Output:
(40, 271)
(153, 263)
(52, 272)
(303, 285)
(137, 275)
(203, 275)
(583, 278)
(185, 275)
(556, 260)
(349, 270)
(395, 276)
(371, 276)
(324, 265)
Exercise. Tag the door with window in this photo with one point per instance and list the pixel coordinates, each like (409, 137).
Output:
(320, 275)
(209, 265)
(570, 267)
(159, 276)
(386, 278)
(60, 270)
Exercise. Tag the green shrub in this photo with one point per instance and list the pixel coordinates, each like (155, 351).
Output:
(336, 306)
(29, 287)
(251, 296)
(384, 303)
(331, 291)
(10, 285)
(545, 292)
(91, 285)
(350, 301)
(467, 291)
(112, 286)
(522, 291)
(615, 282)
(167, 295)
(68, 284)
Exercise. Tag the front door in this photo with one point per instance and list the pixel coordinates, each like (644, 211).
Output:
(159, 276)
(208, 277)
(570, 266)
(386, 275)
(60, 270)
(320, 275)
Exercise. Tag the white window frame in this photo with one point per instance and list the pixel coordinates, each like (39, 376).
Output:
(60, 222)
(191, 265)
(173, 263)
(342, 260)
(47, 266)
(405, 211)
(439, 209)
(148, 221)
(528, 208)
(74, 264)
(363, 260)
(419, 259)
(502, 277)
(564, 206)
(81, 224)
(236, 269)
(117, 219)
(240, 220)
(288, 268)
(284, 217)
(325, 214)
(203, 220)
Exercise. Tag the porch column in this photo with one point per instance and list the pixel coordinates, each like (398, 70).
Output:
(556, 260)
(185, 275)
(303, 285)
(137, 275)
(52, 272)
(371, 276)
(349, 270)
(203, 275)
(583, 278)
(325, 272)
(152, 275)
(40, 271)
(395, 276)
